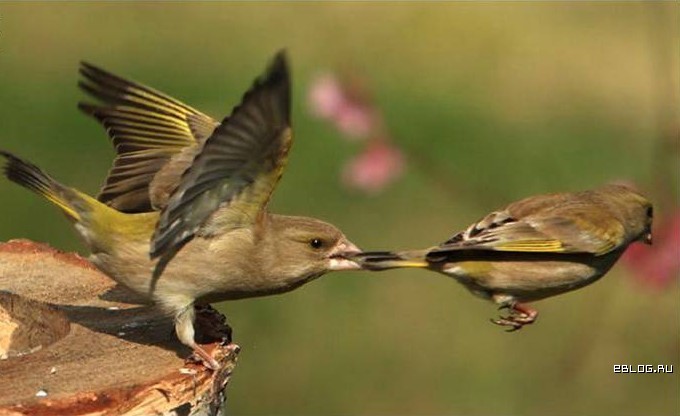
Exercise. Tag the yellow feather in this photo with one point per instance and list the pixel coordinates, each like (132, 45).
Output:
(155, 115)
(154, 103)
(145, 118)
(63, 205)
(159, 102)
(533, 246)
(412, 263)
(105, 221)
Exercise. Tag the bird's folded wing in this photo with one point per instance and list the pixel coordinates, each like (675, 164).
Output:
(581, 231)
(146, 128)
(231, 179)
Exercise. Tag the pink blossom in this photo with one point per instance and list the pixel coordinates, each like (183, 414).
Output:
(355, 121)
(326, 97)
(657, 265)
(344, 105)
(375, 168)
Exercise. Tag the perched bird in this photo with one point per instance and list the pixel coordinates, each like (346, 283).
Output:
(538, 247)
(196, 195)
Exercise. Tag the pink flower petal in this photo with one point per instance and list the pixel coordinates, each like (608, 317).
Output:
(355, 121)
(371, 171)
(325, 97)
(343, 104)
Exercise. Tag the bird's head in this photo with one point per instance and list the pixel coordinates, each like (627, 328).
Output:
(636, 212)
(306, 247)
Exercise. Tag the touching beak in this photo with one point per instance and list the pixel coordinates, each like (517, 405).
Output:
(338, 259)
(648, 238)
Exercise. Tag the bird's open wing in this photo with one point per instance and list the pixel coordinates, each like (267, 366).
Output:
(557, 226)
(146, 128)
(231, 179)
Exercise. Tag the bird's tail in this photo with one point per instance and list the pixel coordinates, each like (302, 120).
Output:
(96, 219)
(384, 260)
(73, 203)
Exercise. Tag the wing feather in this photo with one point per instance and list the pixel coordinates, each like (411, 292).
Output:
(558, 223)
(237, 168)
(144, 125)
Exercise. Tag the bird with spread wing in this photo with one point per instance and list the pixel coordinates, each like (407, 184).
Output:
(182, 217)
(534, 248)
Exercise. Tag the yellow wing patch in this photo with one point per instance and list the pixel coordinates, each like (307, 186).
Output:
(532, 246)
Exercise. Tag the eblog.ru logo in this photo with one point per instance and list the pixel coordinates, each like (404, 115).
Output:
(643, 368)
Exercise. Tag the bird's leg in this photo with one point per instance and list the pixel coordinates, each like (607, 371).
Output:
(184, 327)
(520, 314)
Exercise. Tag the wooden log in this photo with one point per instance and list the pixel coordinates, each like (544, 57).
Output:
(74, 343)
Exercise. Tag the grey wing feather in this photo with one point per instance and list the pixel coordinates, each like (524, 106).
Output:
(250, 144)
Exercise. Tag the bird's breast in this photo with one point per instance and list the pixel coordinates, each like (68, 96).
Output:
(531, 279)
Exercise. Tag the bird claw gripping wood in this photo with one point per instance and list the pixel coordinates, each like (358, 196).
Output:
(212, 330)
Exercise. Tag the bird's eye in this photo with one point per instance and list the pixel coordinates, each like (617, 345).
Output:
(316, 243)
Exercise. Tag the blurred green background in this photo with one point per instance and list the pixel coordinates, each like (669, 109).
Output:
(502, 100)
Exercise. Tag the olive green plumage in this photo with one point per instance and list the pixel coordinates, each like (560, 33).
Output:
(182, 216)
(534, 248)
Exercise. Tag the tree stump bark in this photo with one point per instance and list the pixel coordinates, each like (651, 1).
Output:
(74, 343)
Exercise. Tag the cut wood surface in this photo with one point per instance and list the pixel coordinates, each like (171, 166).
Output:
(73, 343)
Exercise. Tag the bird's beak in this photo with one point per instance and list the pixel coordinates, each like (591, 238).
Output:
(339, 256)
(647, 239)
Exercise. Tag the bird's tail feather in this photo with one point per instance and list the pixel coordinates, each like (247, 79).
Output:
(99, 221)
(73, 203)
(384, 260)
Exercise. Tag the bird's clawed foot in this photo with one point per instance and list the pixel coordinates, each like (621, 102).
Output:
(519, 316)
(202, 356)
(212, 331)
